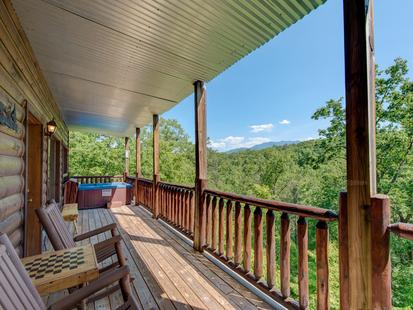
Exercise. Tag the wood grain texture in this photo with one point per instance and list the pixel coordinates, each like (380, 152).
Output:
(221, 227)
(270, 248)
(238, 234)
(229, 230)
(200, 164)
(258, 246)
(53, 282)
(381, 263)
(302, 243)
(247, 239)
(285, 255)
(322, 266)
(360, 146)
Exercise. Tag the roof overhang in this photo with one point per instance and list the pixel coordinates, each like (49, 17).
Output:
(112, 64)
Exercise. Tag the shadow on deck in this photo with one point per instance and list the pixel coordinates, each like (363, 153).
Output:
(167, 272)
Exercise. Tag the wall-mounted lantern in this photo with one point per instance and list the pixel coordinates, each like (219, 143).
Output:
(51, 128)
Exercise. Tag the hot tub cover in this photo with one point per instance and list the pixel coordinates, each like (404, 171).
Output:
(94, 186)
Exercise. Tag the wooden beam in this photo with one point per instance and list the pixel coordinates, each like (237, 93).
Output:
(201, 164)
(156, 175)
(126, 170)
(360, 133)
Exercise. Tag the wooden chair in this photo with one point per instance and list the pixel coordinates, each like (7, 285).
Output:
(70, 191)
(18, 292)
(61, 238)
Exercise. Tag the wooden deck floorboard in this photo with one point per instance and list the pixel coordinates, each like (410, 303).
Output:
(167, 272)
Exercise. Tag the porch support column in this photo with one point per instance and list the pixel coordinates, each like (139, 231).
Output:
(138, 172)
(201, 164)
(156, 176)
(361, 157)
(126, 170)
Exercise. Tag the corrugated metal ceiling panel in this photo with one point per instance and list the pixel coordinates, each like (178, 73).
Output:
(112, 64)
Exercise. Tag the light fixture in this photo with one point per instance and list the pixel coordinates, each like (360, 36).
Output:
(51, 127)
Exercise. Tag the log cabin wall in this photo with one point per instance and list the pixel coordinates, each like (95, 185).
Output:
(21, 84)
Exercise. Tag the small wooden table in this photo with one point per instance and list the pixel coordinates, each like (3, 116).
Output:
(70, 213)
(54, 271)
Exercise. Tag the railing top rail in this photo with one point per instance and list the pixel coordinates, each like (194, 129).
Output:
(403, 230)
(191, 188)
(145, 180)
(97, 176)
(289, 208)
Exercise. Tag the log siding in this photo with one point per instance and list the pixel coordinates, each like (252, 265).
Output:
(23, 88)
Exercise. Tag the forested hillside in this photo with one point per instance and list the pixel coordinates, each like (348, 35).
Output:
(311, 172)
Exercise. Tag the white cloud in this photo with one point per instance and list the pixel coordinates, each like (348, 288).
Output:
(285, 122)
(259, 128)
(232, 142)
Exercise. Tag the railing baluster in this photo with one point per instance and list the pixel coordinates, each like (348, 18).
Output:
(285, 255)
(208, 226)
(175, 221)
(184, 211)
(247, 238)
(188, 212)
(221, 226)
(322, 265)
(302, 240)
(191, 203)
(229, 231)
(270, 252)
(258, 240)
(179, 196)
(214, 224)
(238, 232)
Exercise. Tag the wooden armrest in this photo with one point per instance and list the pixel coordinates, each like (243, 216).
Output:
(95, 232)
(77, 296)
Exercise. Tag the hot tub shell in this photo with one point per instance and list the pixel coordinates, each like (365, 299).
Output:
(98, 195)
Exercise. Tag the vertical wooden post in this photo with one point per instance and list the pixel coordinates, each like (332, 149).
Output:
(138, 153)
(156, 176)
(126, 170)
(201, 164)
(360, 133)
(380, 240)
(138, 171)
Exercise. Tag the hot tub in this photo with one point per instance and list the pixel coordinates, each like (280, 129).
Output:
(97, 195)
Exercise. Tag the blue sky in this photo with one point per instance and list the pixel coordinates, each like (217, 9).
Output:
(271, 94)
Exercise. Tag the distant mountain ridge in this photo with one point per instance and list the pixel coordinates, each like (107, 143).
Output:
(262, 146)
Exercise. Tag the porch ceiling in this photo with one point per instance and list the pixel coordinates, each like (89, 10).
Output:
(112, 64)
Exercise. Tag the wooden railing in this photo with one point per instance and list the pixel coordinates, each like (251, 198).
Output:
(235, 225)
(403, 230)
(176, 204)
(90, 179)
(144, 195)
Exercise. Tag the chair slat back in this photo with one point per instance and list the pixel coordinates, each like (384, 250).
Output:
(70, 192)
(55, 227)
(17, 290)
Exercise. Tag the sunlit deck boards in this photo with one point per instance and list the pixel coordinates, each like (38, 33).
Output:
(167, 273)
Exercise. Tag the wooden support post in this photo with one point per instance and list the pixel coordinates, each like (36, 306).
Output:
(380, 240)
(156, 175)
(360, 133)
(138, 153)
(201, 164)
(138, 172)
(126, 170)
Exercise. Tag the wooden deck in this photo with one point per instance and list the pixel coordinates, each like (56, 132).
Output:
(167, 273)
